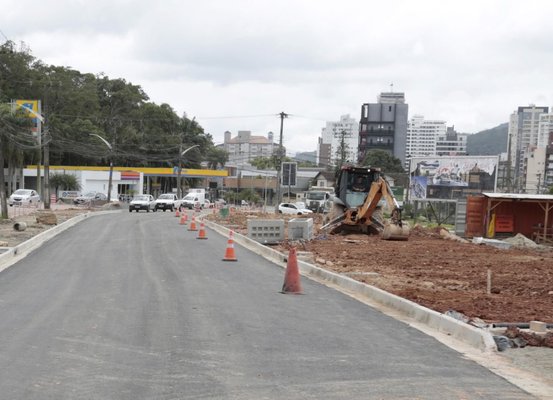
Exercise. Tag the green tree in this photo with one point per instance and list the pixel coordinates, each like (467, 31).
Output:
(249, 195)
(64, 182)
(14, 135)
(268, 162)
(383, 160)
(216, 157)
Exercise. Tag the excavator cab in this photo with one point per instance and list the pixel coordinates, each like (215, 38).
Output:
(361, 193)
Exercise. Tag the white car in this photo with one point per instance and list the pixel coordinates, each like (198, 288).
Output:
(167, 201)
(23, 196)
(291, 208)
(142, 202)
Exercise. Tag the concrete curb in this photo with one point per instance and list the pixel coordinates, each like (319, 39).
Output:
(14, 254)
(475, 337)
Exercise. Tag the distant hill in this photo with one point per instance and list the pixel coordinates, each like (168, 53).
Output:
(489, 142)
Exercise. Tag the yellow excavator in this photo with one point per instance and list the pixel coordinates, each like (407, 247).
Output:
(356, 205)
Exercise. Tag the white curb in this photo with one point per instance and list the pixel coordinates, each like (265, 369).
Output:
(475, 337)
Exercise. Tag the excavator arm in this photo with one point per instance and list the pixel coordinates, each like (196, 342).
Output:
(366, 216)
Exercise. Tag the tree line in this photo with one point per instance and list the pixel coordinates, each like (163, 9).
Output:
(76, 106)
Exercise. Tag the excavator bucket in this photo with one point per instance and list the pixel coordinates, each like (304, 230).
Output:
(395, 232)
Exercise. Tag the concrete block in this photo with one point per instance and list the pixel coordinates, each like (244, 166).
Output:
(266, 231)
(538, 326)
(300, 228)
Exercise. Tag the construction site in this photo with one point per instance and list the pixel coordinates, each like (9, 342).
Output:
(431, 268)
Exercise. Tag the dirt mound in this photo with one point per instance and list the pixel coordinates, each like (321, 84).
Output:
(436, 273)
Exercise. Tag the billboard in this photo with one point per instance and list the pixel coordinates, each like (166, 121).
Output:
(451, 177)
(33, 109)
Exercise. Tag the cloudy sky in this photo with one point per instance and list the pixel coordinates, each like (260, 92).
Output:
(236, 64)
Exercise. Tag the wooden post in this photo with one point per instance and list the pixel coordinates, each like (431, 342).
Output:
(489, 282)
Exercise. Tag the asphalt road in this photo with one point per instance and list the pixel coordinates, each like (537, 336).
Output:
(133, 306)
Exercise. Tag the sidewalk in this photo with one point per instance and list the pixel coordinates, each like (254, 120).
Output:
(18, 211)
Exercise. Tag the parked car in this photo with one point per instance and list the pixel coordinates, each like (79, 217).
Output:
(90, 197)
(144, 202)
(291, 208)
(23, 196)
(167, 201)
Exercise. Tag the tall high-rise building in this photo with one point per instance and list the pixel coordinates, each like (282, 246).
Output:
(433, 138)
(422, 136)
(524, 127)
(383, 125)
(333, 135)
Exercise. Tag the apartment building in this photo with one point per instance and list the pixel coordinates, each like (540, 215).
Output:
(524, 131)
(245, 147)
(345, 131)
(383, 125)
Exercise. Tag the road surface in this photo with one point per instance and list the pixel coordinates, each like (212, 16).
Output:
(133, 306)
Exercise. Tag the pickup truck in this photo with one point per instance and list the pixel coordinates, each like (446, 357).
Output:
(167, 201)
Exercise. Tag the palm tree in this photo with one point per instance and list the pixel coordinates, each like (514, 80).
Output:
(64, 182)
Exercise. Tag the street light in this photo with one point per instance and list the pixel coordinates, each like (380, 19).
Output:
(110, 163)
(181, 154)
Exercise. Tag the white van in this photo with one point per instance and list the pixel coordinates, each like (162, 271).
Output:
(194, 198)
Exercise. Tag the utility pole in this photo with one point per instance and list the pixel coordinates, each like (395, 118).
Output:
(47, 173)
(110, 147)
(39, 140)
(181, 153)
(279, 161)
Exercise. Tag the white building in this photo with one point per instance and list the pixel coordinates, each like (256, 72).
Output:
(422, 136)
(347, 129)
(534, 163)
(245, 147)
(544, 128)
(524, 129)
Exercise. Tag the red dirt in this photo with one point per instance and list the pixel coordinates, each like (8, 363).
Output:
(436, 273)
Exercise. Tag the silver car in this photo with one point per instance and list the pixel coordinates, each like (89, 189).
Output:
(144, 202)
(23, 197)
(90, 198)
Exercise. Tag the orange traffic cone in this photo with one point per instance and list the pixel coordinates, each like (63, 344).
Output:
(229, 253)
(201, 233)
(193, 226)
(183, 219)
(292, 283)
(177, 214)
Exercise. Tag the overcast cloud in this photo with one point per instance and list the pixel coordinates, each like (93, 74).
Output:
(469, 63)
